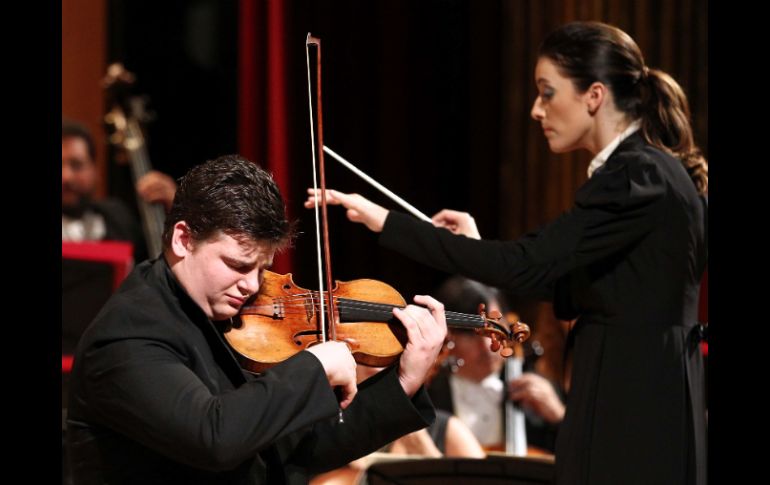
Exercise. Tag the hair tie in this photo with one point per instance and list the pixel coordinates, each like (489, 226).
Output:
(644, 75)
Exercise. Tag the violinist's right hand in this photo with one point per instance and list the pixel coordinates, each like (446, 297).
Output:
(457, 223)
(359, 209)
(340, 368)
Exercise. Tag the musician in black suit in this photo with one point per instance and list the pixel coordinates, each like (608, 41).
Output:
(86, 219)
(626, 260)
(158, 396)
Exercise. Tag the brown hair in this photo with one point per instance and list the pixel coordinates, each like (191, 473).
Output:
(232, 195)
(588, 52)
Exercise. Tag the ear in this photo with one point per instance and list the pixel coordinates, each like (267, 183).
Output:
(181, 240)
(595, 96)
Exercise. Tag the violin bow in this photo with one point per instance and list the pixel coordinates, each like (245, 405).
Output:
(318, 144)
(328, 311)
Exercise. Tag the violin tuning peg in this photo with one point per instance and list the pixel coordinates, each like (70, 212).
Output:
(521, 332)
(495, 345)
(481, 308)
(506, 352)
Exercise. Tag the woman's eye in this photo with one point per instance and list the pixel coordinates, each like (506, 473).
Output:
(547, 94)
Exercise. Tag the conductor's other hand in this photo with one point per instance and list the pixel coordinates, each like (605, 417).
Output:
(457, 222)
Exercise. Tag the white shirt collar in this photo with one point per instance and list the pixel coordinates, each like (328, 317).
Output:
(603, 155)
(479, 406)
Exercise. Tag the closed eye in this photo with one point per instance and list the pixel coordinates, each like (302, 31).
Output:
(239, 266)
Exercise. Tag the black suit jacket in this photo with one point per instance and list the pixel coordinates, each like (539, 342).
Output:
(157, 397)
(627, 261)
(122, 225)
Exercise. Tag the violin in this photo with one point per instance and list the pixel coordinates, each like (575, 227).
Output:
(283, 319)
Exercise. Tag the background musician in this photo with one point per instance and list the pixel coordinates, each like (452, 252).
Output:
(87, 219)
(472, 382)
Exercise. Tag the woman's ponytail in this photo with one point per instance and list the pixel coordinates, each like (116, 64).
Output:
(665, 116)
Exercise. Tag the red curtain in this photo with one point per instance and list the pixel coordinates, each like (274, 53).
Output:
(703, 307)
(262, 102)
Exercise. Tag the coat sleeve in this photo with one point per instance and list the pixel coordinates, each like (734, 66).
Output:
(614, 209)
(143, 390)
(380, 413)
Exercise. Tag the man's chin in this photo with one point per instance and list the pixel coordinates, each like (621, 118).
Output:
(74, 209)
(225, 314)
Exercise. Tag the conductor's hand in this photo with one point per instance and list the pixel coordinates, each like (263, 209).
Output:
(340, 368)
(457, 222)
(358, 208)
(426, 329)
(156, 187)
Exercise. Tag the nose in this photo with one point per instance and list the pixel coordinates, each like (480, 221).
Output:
(537, 111)
(249, 284)
(66, 172)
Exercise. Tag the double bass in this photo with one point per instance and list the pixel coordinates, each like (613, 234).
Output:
(124, 121)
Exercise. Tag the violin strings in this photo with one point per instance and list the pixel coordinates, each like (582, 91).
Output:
(301, 300)
(344, 304)
(379, 310)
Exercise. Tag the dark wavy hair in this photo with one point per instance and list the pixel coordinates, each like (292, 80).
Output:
(587, 52)
(73, 129)
(463, 295)
(232, 195)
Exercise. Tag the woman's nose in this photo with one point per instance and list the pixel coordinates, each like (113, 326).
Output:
(537, 110)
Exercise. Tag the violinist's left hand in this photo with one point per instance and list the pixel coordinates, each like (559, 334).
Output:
(426, 330)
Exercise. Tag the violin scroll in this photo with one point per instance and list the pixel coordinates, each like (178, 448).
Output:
(502, 337)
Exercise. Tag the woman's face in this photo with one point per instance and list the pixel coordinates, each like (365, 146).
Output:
(562, 111)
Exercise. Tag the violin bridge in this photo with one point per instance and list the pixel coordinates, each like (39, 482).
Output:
(310, 308)
(279, 311)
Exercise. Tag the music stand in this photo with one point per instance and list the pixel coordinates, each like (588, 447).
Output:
(494, 470)
(91, 271)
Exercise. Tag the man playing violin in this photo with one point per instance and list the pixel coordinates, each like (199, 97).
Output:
(157, 395)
